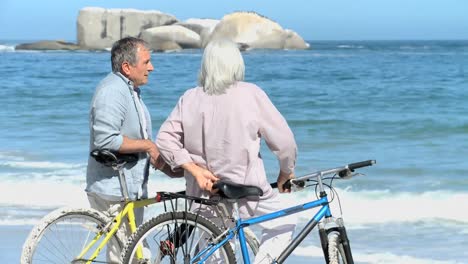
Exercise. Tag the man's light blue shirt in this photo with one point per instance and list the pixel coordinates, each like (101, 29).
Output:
(114, 114)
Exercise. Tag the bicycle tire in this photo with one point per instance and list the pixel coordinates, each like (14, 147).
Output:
(62, 234)
(336, 252)
(158, 237)
(251, 240)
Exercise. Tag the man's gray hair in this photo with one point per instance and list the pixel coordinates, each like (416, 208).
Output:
(222, 65)
(125, 50)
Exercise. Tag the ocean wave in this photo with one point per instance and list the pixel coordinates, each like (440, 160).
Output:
(42, 194)
(360, 209)
(39, 165)
(350, 47)
(376, 257)
(22, 197)
(364, 208)
(7, 48)
(55, 191)
(12, 156)
(24, 160)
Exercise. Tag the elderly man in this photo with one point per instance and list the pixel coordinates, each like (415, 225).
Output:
(120, 121)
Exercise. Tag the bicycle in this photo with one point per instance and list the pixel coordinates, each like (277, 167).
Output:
(81, 235)
(211, 243)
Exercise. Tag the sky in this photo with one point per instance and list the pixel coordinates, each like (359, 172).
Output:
(312, 19)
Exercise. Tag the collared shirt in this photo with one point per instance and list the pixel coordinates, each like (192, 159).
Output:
(223, 133)
(116, 112)
(138, 103)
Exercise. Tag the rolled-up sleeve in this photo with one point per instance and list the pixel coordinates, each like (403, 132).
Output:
(171, 137)
(107, 115)
(276, 133)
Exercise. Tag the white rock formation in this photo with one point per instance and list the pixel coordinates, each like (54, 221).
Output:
(255, 31)
(202, 26)
(99, 28)
(172, 37)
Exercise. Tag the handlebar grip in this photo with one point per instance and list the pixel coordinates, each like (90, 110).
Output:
(286, 185)
(361, 164)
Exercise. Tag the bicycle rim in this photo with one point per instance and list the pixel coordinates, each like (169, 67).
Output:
(61, 238)
(176, 238)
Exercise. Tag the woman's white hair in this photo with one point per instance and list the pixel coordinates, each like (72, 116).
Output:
(222, 65)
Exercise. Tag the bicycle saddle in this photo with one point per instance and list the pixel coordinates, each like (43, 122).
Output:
(110, 158)
(236, 191)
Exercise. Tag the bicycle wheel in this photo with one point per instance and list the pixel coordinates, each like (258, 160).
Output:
(252, 240)
(62, 235)
(336, 249)
(176, 237)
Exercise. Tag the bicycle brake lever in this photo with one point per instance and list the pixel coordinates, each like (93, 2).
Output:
(297, 185)
(345, 174)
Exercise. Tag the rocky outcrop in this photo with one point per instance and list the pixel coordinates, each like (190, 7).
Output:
(256, 31)
(48, 45)
(203, 27)
(99, 28)
(171, 37)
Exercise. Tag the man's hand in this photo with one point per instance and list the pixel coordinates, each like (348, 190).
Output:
(282, 178)
(153, 152)
(166, 168)
(205, 179)
(142, 145)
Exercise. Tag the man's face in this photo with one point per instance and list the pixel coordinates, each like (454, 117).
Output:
(139, 72)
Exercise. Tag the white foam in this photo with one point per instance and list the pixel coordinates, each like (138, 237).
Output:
(43, 194)
(308, 251)
(376, 257)
(160, 182)
(66, 187)
(7, 48)
(350, 46)
(389, 258)
(379, 207)
(384, 207)
(53, 192)
(39, 165)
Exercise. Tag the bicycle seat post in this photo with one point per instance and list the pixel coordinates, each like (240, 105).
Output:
(123, 183)
(236, 216)
(235, 208)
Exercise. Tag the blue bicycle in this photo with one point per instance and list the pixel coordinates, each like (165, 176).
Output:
(188, 237)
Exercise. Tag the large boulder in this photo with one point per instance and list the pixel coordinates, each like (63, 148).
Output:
(48, 45)
(172, 37)
(99, 28)
(255, 31)
(202, 26)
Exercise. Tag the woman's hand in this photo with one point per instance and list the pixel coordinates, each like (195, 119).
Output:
(205, 179)
(282, 178)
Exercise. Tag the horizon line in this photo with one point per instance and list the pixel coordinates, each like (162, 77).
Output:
(319, 40)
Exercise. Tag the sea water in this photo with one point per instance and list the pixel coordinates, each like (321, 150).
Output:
(402, 103)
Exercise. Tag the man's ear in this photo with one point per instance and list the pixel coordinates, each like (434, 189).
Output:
(126, 68)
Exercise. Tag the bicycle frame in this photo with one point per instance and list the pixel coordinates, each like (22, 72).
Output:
(128, 210)
(324, 211)
(116, 222)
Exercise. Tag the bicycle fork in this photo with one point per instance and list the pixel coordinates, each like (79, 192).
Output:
(335, 225)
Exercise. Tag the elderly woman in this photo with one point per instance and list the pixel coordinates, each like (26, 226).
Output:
(214, 133)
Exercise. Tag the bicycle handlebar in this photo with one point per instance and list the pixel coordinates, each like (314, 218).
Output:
(300, 181)
(343, 172)
(360, 164)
